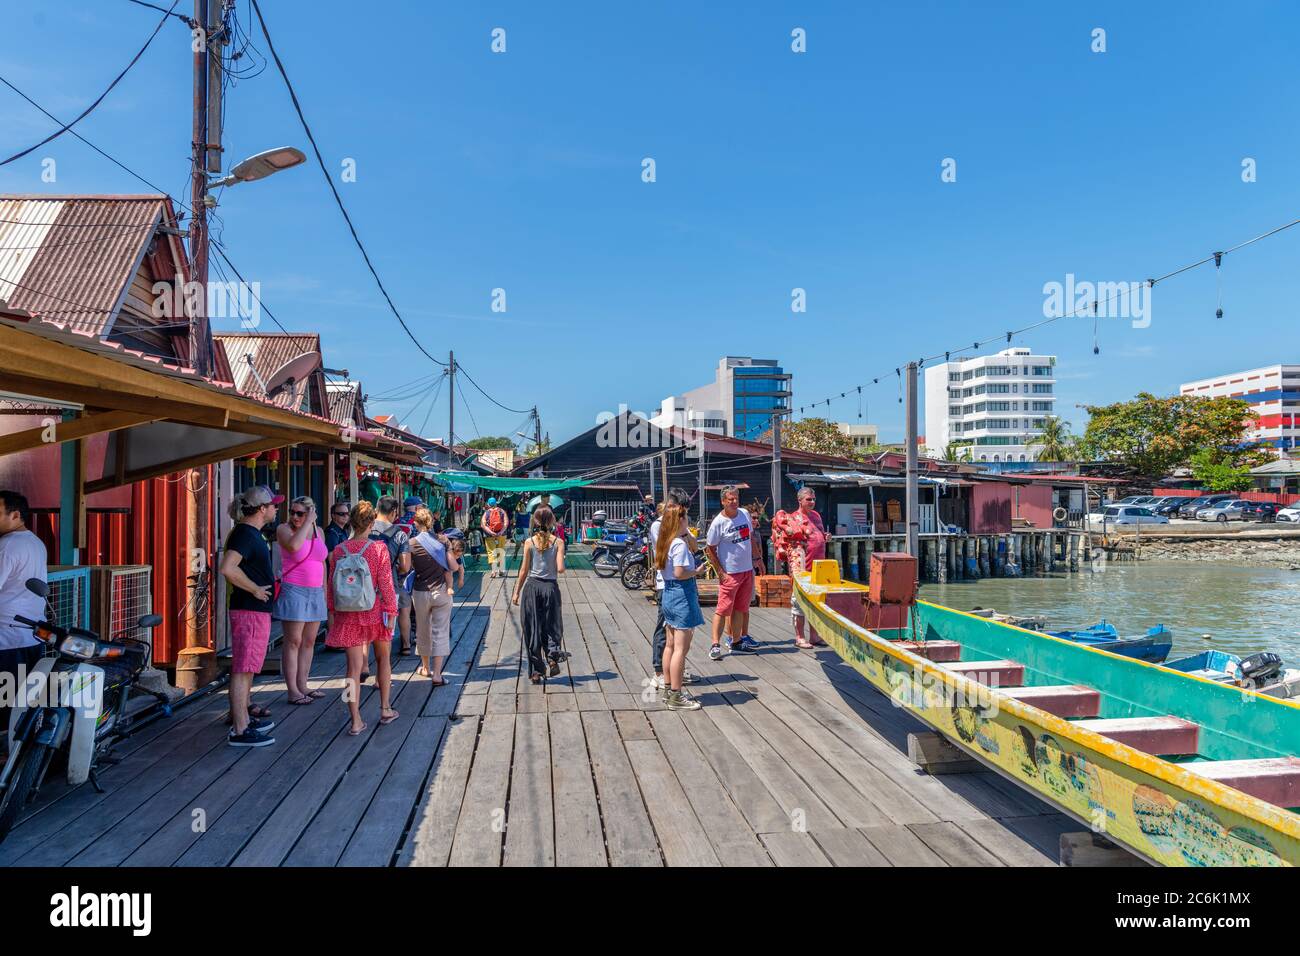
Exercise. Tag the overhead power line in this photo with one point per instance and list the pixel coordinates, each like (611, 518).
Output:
(518, 411)
(99, 99)
(1089, 310)
(329, 181)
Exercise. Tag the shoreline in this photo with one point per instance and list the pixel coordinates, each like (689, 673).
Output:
(1246, 552)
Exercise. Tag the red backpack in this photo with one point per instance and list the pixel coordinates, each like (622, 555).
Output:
(496, 520)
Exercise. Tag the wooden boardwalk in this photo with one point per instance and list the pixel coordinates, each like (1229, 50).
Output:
(793, 760)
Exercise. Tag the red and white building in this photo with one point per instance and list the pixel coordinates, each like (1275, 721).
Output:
(1274, 396)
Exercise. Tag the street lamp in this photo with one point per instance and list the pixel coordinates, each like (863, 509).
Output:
(259, 167)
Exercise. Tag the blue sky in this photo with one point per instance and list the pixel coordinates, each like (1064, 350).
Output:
(775, 170)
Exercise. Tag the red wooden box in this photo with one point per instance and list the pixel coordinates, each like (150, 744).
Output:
(893, 578)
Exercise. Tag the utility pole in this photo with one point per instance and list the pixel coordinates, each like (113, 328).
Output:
(206, 144)
(703, 516)
(913, 525)
(776, 478)
(537, 432)
(451, 405)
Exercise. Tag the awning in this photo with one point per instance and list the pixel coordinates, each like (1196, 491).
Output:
(859, 479)
(470, 481)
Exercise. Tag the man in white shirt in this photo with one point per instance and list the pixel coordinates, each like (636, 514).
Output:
(679, 497)
(734, 553)
(22, 556)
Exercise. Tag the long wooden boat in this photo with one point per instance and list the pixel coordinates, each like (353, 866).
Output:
(1180, 770)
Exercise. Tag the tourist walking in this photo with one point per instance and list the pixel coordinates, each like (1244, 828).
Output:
(338, 531)
(543, 629)
(22, 557)
(679, 497)
(495, 524)
(799, 539)
(246, 566)
(732, 548)
(434, 565)
(398, 543)
(675, 558)
(300, 601)
(363, 601)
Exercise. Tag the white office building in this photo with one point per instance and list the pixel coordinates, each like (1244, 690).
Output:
(993, 406)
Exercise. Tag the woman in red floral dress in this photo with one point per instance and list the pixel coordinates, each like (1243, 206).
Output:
(799, 539)
(357, 630)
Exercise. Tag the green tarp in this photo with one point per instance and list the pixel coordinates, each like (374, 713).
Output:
(466, 481)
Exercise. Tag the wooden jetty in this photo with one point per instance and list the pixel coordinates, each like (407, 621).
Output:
(795, 759)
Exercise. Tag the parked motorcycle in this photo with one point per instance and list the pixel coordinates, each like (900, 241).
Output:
(635, 566)
(72, 702)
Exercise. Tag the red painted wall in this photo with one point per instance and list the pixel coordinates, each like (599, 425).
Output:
(1033, 503)
(1276, 497)
(990, 507)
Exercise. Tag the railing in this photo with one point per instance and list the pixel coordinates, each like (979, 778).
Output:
(580, 511)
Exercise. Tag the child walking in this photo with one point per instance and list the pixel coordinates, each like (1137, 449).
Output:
(543, 560)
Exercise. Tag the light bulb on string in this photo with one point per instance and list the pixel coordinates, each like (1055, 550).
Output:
(1218, 281)
(1096, 349)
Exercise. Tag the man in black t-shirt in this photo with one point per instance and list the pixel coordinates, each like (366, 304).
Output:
(246, 566)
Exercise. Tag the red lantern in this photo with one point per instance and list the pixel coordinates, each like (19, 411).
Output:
(459, 503)
(273, 455)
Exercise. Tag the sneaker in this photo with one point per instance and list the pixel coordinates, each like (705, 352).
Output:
(658, 682)
(739, 648)
(249, 738)
(554, 669)
(749, 644)
(680, 700)
(715, 652)
(261, 725)
(688, 677)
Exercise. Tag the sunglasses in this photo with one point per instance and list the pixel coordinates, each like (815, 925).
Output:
(298, 514)
(341, 514)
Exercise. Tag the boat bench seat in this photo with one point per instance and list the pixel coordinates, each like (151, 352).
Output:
(1161, 736)
(991, 673)
(1063, 700)
(941, 652)
(1274, 780)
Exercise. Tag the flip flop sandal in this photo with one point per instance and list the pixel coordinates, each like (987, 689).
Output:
(406, 652)
(357, 733)
(315, 694)
(257, 710)
(805, 645)
(389, 719)
(301, 701)
(439, 683)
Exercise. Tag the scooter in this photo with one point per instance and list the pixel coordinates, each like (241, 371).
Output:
(73, 700)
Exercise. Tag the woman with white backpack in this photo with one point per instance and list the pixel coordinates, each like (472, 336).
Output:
(363, 600)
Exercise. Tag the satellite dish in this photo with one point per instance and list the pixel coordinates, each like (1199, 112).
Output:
(291, 372)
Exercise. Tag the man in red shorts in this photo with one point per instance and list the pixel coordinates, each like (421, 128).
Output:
(733, 551)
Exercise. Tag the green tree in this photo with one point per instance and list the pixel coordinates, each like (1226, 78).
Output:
(1054, 440)
(1152, 435)
(814, 435)
(491, 443)
(1216, 471)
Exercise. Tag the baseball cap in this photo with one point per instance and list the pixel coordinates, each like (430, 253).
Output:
(412, 501)
(253, 497)
(492, 501)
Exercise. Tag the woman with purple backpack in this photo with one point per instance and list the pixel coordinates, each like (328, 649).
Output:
(363, 601)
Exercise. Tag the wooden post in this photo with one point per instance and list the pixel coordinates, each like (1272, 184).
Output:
(941, 560)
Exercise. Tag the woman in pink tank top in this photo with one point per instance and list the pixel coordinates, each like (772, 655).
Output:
(300, 599)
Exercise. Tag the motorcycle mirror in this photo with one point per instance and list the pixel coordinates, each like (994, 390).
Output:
(149, 621)
(37, 586)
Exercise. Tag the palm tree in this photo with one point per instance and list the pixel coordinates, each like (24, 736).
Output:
(1054, 440)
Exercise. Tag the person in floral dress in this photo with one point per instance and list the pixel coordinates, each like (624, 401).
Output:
(355, 631)
(799, 539)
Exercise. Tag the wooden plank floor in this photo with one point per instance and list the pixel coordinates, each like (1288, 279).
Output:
(793, 760)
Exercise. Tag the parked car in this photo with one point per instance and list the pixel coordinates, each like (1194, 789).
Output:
(1169, 506)
(1135, 500)
(1196, 504)
(1222, 511)
(1128, 514)
(1264, 512)
(1289, 513)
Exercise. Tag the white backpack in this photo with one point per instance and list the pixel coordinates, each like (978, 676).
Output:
(354, 588)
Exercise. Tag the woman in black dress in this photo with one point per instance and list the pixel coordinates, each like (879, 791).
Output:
(543, 561)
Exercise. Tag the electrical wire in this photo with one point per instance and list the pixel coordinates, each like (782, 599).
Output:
(99, 99)
(518, 411)
(1215, 257)
(465, 401)
(329, 181)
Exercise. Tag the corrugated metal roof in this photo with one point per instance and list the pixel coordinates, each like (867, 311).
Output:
(268, 351)
(69, 259)
(343, 401)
